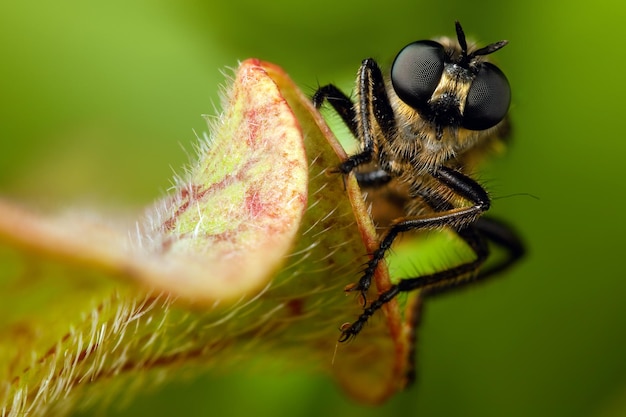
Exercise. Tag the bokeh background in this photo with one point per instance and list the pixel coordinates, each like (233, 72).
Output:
(100, 100)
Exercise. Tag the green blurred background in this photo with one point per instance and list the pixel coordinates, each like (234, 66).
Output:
(96, 99)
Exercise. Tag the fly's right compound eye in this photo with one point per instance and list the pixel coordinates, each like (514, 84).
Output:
(416, 72)
(488, 99)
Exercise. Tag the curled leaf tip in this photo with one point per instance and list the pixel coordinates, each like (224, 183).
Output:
(258, 236)
(231, 222)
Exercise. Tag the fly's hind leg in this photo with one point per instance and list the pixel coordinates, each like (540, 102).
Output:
(486, 229)
(476, 235)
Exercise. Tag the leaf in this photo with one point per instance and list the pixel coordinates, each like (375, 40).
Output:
(249, 256)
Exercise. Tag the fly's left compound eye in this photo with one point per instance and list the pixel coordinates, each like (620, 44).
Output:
(488, 99)
(416, 72)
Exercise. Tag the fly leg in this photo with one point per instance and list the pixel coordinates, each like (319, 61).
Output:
(370, 115)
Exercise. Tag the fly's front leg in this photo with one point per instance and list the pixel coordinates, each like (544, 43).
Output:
(340, 102)
(373, 179)
(373, 114)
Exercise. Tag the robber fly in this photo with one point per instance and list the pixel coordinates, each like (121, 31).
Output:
(441, 108)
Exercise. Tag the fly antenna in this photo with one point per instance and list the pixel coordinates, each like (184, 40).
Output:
(486, 50)
(489, 49)
(460, 35)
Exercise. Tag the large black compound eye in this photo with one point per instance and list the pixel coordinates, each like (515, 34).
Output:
(488, 99)
(416, 72)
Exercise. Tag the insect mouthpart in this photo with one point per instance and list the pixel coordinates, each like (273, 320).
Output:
(445, 112)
